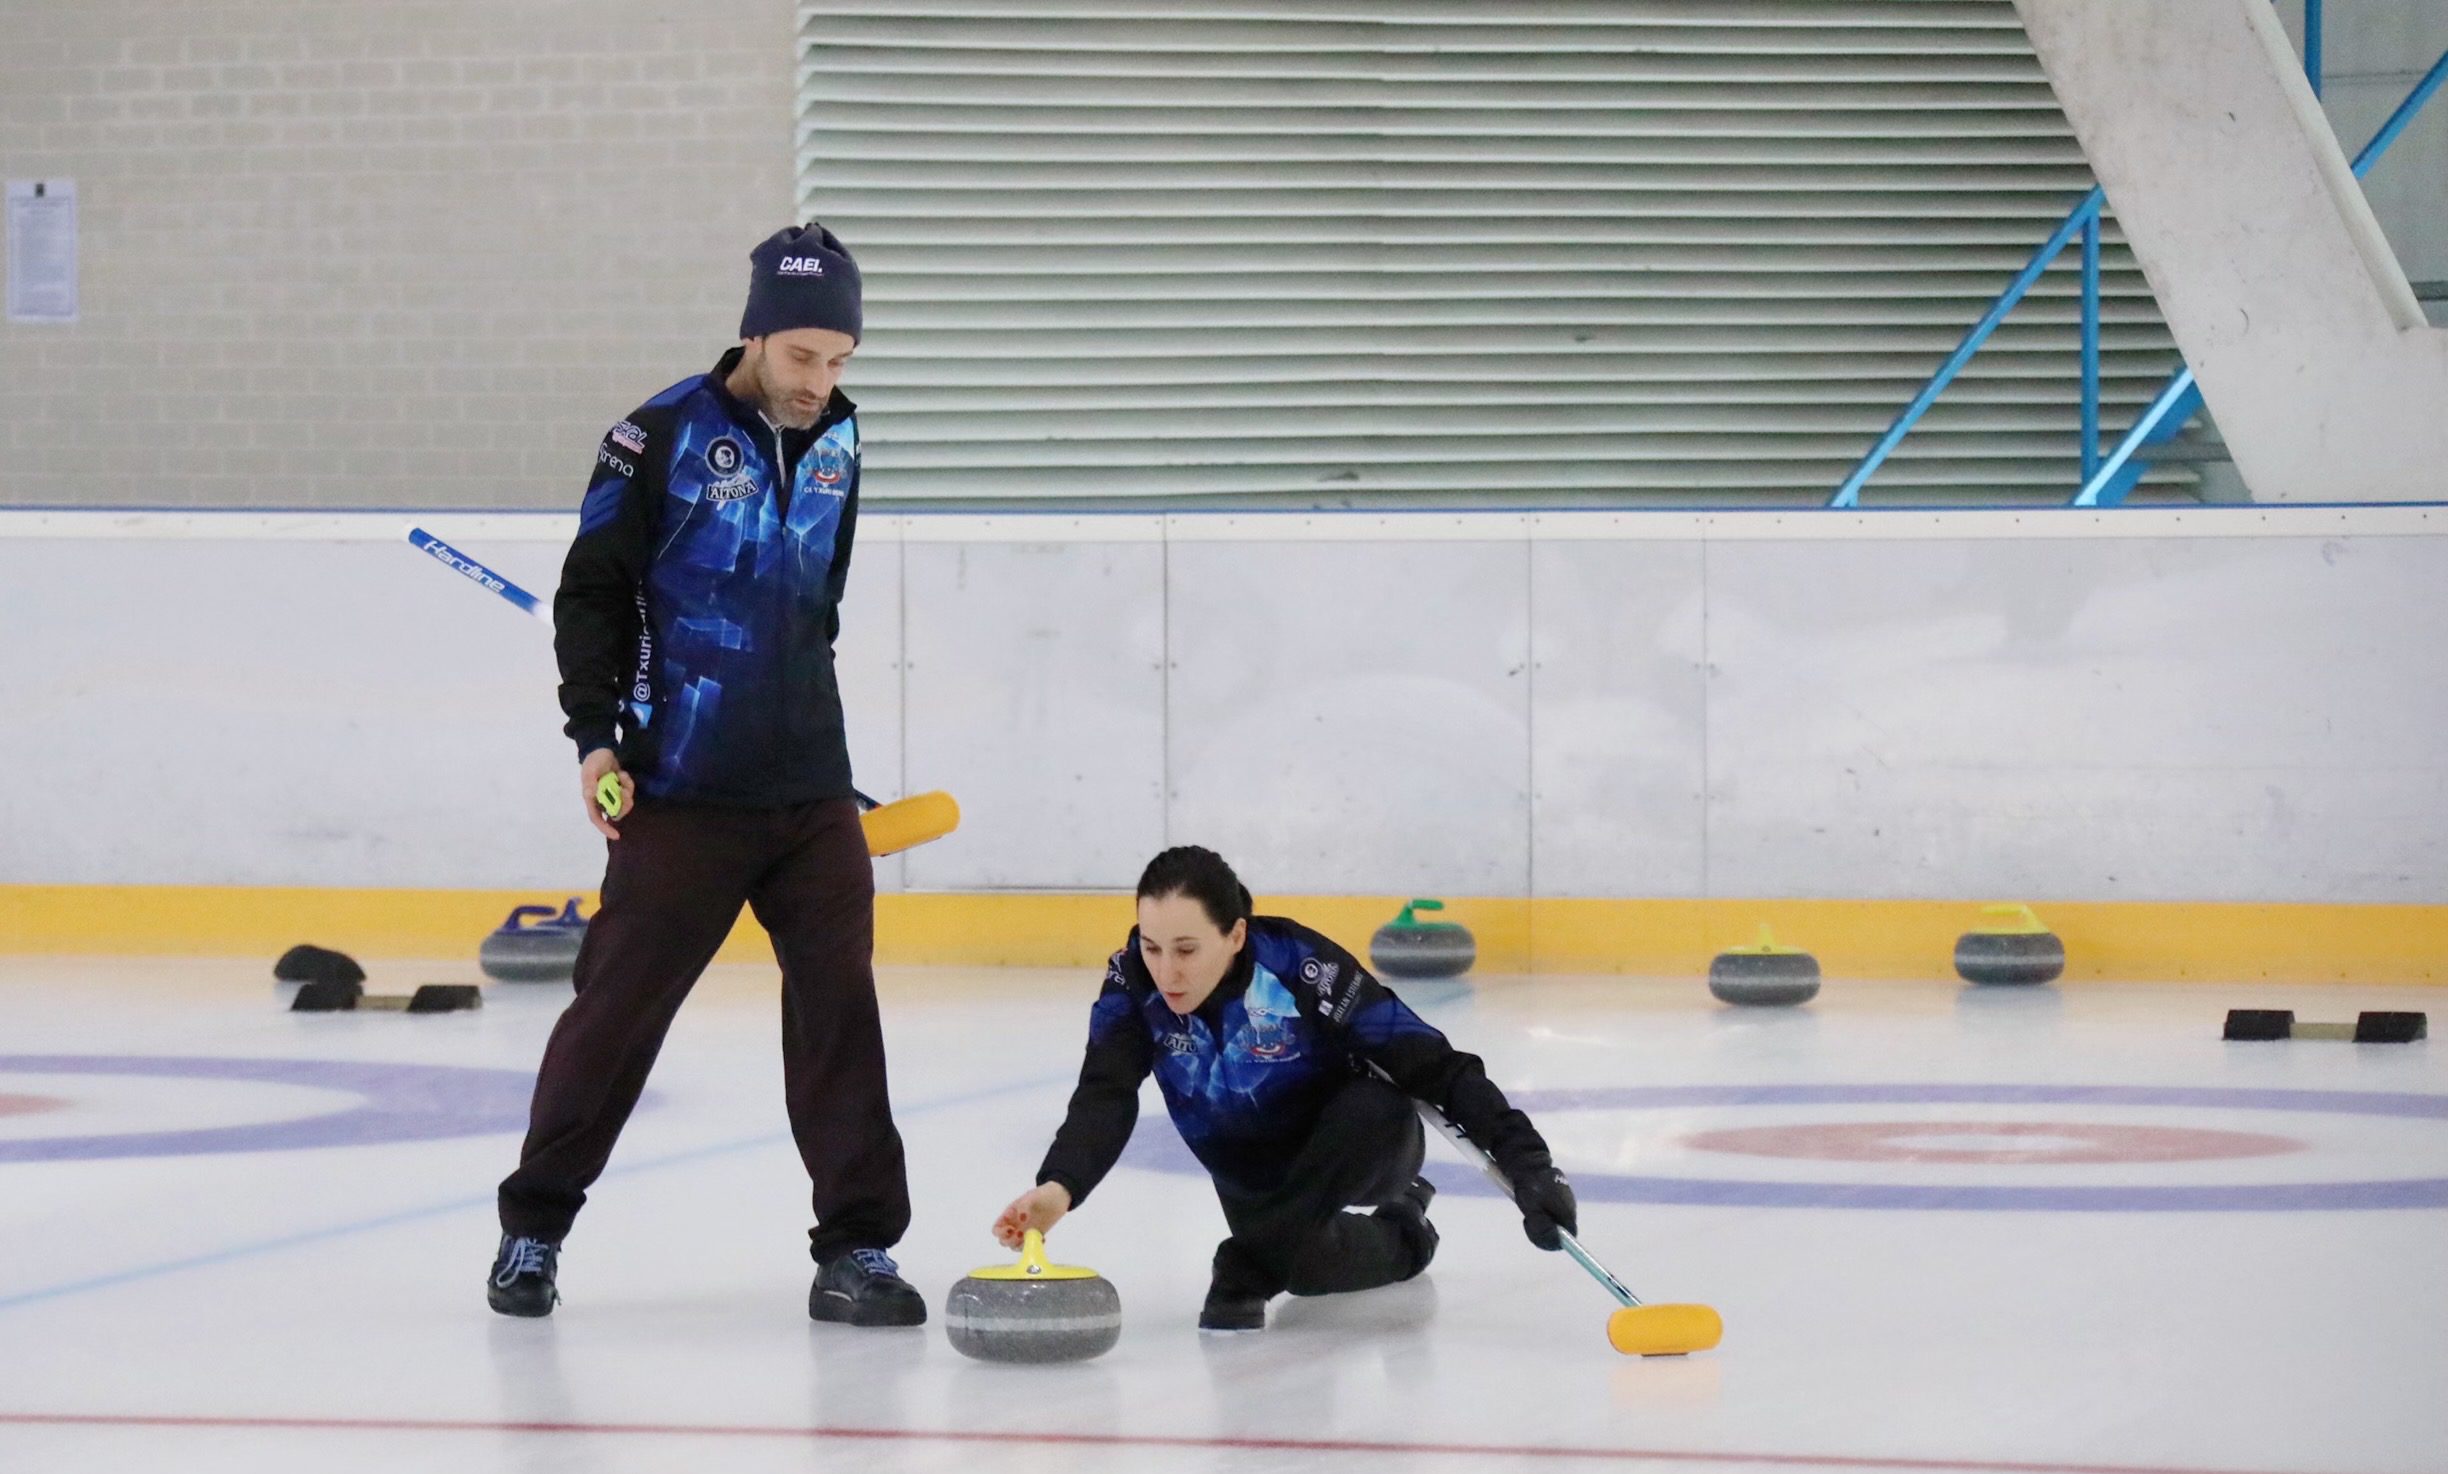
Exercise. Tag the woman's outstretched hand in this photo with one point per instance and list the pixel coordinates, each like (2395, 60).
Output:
(1040, 1208)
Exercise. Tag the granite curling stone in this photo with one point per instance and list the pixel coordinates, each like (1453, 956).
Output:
(1764, 975)
(536, 945)
(1408, 947)
(2020, 953)
(1033, 1311)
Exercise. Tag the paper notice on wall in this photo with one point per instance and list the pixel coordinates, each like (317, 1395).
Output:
(42, 250)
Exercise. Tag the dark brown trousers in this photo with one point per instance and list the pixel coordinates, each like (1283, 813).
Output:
(673, 887)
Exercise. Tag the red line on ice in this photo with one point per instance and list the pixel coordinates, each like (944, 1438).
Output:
(1090, 1440)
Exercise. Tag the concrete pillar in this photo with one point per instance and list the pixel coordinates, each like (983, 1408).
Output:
(2246, 217)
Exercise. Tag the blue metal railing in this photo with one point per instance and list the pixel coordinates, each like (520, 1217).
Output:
(2091, 344)
(2085, 216)
(2107, 480)
(2312, 44)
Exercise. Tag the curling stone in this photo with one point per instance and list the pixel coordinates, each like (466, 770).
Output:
(536, 945)
(1408, 947)
(2021, 951)
(1764, 975)
(1033, 1311)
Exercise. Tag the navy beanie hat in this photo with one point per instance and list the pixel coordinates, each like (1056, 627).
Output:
(801, 277)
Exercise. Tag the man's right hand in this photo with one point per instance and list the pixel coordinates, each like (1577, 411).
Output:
(590, 777)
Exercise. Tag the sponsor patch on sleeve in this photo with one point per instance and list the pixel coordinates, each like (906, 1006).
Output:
(629, 435)
(1322, 975)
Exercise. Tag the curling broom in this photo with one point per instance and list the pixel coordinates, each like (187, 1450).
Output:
(1635, 1329)
(891, 828)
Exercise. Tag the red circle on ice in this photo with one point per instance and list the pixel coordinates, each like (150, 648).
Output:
(1991, 1143)
(27, 1105)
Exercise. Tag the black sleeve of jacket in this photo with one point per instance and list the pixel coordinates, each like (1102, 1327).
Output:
(596, 625)
(1105, 1104)
(1376, 1028)
(837, 579)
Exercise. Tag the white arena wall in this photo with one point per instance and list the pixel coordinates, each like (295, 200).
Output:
(2235, 704)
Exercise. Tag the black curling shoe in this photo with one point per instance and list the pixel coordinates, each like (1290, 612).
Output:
(1409, 1214)
(864, 1288)
(1230, 1310)
(525, 1277)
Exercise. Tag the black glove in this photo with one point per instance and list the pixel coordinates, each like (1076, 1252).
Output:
(1546, 1203)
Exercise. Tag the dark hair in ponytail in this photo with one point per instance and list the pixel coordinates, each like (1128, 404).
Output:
(1201, 874)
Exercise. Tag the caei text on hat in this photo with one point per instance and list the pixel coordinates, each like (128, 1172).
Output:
(801, 277)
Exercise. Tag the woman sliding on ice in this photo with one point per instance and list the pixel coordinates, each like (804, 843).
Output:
(1291, 1073)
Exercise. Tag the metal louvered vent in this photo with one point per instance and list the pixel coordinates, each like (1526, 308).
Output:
(1404, 252)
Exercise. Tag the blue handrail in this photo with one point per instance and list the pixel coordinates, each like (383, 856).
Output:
(2312, 44)
(1849, 494)
(2108, 483)
(2404, 115)
(2091, 345)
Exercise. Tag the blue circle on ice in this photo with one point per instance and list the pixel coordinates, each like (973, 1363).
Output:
(395, 1102)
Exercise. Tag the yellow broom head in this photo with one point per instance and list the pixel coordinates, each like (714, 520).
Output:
(1664, 1330)
(907, 823)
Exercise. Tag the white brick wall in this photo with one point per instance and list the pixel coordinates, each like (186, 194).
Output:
(416, 253)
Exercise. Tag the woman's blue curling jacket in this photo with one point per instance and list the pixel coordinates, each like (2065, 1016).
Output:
(1246, 1076)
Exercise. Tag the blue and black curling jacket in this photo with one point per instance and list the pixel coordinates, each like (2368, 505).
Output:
(699, 603)
(1246, 1076)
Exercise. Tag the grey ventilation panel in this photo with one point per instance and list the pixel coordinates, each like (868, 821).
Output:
(1551, 254)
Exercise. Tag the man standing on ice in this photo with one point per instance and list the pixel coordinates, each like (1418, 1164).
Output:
(695, 626)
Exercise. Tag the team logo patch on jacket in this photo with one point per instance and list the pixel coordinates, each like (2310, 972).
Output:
(828, 463)
(1271, 1012)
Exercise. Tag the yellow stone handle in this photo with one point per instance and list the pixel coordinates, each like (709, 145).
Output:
(2028, 923)
(1766, 946)
(1033, 1264)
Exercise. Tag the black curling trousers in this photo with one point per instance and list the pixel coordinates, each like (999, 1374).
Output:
(673, 887)
(1365, 1149)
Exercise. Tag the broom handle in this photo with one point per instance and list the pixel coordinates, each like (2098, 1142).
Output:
(1598, 1271)
(1487, 1164)
(475, 572)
